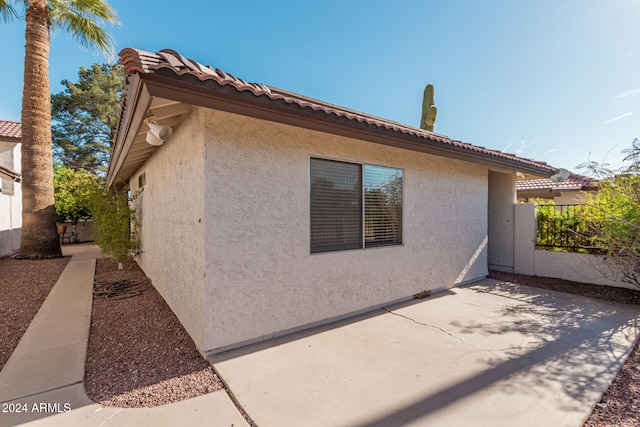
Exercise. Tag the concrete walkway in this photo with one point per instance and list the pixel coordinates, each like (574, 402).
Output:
(489, 354)
(42, 383)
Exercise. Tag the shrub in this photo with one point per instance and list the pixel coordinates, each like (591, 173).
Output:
(115, 222)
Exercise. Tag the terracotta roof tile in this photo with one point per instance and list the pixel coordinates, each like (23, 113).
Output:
(144, 62)
(10, 130)
(573, 182)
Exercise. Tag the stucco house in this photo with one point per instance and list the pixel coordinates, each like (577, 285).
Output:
(10, 189)
(264, 212)
(570, 191)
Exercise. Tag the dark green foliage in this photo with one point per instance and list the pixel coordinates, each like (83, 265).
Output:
(115, 220)
(85, 116)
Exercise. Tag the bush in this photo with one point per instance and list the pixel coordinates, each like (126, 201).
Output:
(115, 222)
(72, 190)
(612, 217)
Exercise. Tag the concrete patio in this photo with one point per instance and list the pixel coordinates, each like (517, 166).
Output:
(489, 354)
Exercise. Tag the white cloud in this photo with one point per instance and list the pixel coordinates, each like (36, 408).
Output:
(553, 150)
(523, 146)
(507, 147)
(621, 116)
(630, 92)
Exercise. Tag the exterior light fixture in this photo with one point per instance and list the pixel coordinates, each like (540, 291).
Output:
(158, 134)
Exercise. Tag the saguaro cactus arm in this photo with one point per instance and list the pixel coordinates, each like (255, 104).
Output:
(429, 110)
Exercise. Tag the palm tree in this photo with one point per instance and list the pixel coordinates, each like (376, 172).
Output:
(84, 19)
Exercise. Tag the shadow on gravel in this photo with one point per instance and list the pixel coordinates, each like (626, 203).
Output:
(139, 354)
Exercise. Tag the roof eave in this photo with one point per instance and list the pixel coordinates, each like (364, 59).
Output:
(226, 98)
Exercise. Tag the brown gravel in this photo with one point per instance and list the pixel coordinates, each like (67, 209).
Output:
(139, 353)
(24, 285)
(620, 404)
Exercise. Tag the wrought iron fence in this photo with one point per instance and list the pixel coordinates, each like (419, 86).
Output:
(559, 226)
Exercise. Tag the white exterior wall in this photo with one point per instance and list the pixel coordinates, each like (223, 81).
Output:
(262, 279)
(173, 223)
(10, 205)
(502, 197)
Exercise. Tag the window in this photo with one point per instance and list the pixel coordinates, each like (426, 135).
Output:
(354, 206)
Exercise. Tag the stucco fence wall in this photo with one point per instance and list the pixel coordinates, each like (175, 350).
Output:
(585, 268)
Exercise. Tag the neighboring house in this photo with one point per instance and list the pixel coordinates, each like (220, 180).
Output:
(10, 191)
(265, 212)
(570, 191)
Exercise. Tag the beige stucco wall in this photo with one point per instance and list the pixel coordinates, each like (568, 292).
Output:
(584, 268)
(502, 197)
(262, 279)
(10, 204)
(173, 223)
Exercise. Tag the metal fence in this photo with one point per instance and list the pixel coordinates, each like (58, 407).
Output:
(559, 227)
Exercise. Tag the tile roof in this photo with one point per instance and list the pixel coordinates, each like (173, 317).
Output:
(10, 130)
(9, 174)
(169, 63)
(573, 182)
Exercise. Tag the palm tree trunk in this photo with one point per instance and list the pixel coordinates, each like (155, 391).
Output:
(39, 233)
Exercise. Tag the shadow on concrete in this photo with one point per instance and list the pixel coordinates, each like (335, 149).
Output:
(580, 345)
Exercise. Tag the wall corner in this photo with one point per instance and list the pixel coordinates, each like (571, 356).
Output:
(525, 239)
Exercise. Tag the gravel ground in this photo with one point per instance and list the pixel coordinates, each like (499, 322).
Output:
(24, 285)
(620, 404)
(139, 353)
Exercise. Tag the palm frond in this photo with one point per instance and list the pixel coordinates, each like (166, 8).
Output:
(7, 12)
(85, 21)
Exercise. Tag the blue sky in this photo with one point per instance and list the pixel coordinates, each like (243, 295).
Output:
(552, 80)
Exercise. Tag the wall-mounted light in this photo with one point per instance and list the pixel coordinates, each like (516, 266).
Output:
(158, 133)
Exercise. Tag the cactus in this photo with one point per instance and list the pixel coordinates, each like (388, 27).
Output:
(429, 110)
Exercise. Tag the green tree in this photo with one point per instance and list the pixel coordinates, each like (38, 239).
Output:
(85, 116)
(612, 218)
(84, 20)
(73, 190)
